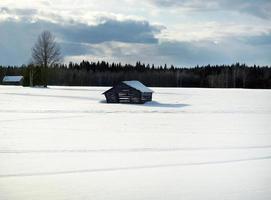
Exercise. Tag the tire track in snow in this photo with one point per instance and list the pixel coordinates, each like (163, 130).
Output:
(112, 169)
(154, 110)
(42, 118)
(53, 96)
(27, 151)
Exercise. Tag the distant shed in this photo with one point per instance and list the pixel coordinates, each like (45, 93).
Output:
(128, 92)
(13, 80)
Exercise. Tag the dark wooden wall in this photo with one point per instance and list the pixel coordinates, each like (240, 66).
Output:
(123, 93)
(12, 83)
(146, 96)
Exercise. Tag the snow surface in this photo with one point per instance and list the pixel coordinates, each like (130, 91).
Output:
(65, 143)
(137, 85)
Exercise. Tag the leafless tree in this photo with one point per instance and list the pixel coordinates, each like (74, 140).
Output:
(46, 52)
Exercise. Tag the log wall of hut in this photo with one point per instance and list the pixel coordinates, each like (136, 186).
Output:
(12, 82)
(111, 96)
(123, 93)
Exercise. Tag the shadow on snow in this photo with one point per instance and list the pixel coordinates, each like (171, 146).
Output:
(152, 104)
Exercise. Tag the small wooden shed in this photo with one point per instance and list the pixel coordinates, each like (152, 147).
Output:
(13, 80)
(128, 92)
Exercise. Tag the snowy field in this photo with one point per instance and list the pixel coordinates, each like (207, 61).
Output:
(65, 143)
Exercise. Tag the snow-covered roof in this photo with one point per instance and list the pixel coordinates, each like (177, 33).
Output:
(12, 78)
(137, 85)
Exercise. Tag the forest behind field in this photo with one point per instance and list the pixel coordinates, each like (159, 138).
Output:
(107, 74)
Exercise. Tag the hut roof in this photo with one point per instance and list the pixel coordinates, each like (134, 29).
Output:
(137, 85)
(12, 78)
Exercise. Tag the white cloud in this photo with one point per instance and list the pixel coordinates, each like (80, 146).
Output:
(212, 31)
(185, 54)
(190, 26)
(259, 8)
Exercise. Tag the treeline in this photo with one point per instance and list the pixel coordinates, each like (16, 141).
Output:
(105, 74)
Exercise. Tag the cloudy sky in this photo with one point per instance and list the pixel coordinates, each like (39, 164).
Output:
(179, 32)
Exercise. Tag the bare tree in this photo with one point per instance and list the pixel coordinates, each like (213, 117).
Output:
(46, 52)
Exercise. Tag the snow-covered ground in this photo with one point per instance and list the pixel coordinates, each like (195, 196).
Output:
(65, 143)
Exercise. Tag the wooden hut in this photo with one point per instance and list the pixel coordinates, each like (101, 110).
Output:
(128, 92)
(13, 80)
